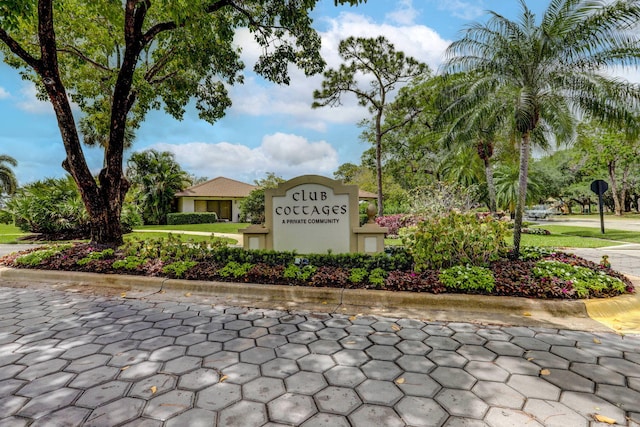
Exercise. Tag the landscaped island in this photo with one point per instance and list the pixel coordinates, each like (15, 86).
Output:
(540, 273)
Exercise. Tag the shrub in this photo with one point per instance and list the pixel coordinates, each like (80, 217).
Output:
(330, 276)
(536, 231)
(172, 248)
(192, 218)
(300, 273)
(468, 278)
(52, 206)
(584, 281)
(36, 257)
(455, 239)
(97, 255)
(377, 277)
(358, 275)
(130, 262)
(235, 269)
(535, 253)
(178, 268)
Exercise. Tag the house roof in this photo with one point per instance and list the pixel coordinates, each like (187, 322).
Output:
(226, 187)
(218, 187)
(363, 194)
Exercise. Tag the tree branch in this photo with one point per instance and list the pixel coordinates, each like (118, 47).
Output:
(19, 51)
(157, 67)
(72, 50)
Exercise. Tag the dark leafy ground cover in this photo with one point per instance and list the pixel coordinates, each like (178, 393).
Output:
(510, 277)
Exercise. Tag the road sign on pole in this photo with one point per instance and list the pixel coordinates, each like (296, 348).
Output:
(599, 187)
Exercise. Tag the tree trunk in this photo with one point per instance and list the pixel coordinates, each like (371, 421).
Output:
(485, 151)
(614, 188)
(522, 192)
(379, 162)
(491, 188)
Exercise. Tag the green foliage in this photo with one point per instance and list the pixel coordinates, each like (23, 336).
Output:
(468, 278)
(36, 257)
(155, 177)
(549, 71)
(178, 268)
(130, 262)
(388, 69)
(6, 217)
(252, 206)
(118, 60)
(377, 277)
(583, 281)
(50, 206)
(8, 180)
(534, 253)
(455, 239)
(301, 273)
(192, 218)
(172, 248)
(358, 275)
(97, 255)
(235, 269)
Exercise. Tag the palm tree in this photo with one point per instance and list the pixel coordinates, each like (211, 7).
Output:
(554, 70)
(156, 177)
(8, 181)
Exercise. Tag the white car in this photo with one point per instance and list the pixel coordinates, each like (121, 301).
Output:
(538, 212)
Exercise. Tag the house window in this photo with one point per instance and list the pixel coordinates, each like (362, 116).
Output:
(220, 207)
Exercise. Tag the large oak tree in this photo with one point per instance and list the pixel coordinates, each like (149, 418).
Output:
(116, 60)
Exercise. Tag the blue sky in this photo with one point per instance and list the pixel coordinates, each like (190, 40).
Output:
(269, 128)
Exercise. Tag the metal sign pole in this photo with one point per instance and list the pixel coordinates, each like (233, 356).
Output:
(599, 187)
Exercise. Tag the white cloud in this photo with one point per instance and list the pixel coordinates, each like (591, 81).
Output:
(286, 155)
(462, 9)
(259, 98)
(405, 14)
(30, 103)
(4, 93)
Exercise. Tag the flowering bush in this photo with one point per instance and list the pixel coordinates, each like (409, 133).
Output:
(395, 222)
(468, 277)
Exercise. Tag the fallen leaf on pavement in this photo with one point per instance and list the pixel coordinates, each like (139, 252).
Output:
(123, 295)
(603, 419)
(545, 372)
(223, 378)
(526, 313)
(153, 389)
(597, 341)
(400, 381)
(188, 294)
(395, 327)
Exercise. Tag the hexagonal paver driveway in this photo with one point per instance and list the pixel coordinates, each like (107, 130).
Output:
(75, 359)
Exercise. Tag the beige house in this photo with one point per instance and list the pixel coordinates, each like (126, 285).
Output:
(223, 195)
(220, 195)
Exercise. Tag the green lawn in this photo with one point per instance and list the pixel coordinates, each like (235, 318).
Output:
(9, 233)
(579, 237)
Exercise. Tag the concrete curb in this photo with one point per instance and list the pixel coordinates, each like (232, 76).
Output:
(366, 298)
(620, 314)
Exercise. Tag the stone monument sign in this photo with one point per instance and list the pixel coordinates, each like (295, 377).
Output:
(313, 214)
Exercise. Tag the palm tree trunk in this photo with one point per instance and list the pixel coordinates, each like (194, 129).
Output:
(491, 187)
(522, 192)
